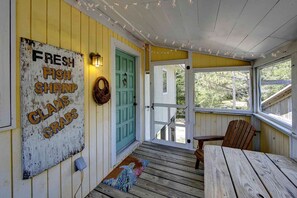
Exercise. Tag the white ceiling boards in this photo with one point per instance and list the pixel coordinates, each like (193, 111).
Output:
(243, 29)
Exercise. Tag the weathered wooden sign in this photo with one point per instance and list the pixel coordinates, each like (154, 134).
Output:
(52, 105)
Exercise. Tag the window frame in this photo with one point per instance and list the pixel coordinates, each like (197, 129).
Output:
(164, 70)
(282, 126)
(12, 64)
(225, 111)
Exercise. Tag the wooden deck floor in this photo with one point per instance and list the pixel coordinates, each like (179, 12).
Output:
(170, 173)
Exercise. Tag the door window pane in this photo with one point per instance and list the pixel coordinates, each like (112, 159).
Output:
(169, 84)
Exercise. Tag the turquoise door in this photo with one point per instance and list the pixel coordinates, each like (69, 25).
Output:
(125, 101)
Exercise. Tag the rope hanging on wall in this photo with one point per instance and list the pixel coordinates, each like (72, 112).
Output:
(101, 96)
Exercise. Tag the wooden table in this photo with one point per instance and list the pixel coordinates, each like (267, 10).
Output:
(241, 173)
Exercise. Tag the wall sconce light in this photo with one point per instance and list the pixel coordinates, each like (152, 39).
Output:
(96, 59)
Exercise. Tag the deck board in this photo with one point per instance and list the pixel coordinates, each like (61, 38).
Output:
(170, 164)
(161, 153)
(96, 194)
(170, 173)
(173, 177)
(164, 147)
(172, 184)
(157, 188)
(165, 158)
(141, 192)
(171, 151)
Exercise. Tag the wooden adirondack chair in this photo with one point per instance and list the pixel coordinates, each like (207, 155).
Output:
(239, 135)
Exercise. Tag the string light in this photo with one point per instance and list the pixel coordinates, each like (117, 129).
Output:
(178, 44)
(159, 4)
(174, 3)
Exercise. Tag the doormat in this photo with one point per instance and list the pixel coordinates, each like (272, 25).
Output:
(124, 176)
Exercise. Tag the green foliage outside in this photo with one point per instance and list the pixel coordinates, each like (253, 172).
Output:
(180, 91)
(222, 90)
(274, 78)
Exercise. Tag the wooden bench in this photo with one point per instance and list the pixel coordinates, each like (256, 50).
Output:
(233, 172)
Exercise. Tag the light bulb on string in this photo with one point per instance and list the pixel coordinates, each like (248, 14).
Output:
(156, 37)
(159, 4)
(147, 6)
(165, 40)
(190, 1)
(174, 3)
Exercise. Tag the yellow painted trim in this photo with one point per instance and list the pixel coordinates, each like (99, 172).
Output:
(165, 54)
(206, 61)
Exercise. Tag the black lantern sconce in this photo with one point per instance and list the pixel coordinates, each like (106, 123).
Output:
(96, 59)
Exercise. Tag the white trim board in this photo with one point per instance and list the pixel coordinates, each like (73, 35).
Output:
(104, 21)
(293, 142)
(11, 19)
(169, 62)
(229, 68)
(116, 44)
